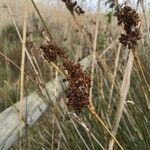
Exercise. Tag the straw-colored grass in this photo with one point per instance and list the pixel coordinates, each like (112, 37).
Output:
(120, 87)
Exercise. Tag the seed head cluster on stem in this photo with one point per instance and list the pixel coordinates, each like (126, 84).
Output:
(73, 7)
(130, 19)
(79, 82)
(51, 52)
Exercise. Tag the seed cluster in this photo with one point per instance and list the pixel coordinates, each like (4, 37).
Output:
(130, 39)
(73, 7)
(51, 51)
(78, 85)
(78, 81)
(129, 19)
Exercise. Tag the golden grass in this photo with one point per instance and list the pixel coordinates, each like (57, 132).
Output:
(62, 26)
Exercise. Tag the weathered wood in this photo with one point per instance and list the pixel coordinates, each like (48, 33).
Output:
(10, 125)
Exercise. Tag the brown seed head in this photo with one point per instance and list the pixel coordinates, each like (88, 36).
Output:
(78, 85)
(78, 81)
(73, 7)
(51, 51)
(129, 19)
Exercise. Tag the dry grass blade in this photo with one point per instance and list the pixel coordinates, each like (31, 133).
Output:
(94, 48)
(58, 105)
(141, 2)
(123, 95)
(23, 64)
(114, 75)
(47, 30)
(92, 111)
(140, 69)
(77, 119)
(15, 65)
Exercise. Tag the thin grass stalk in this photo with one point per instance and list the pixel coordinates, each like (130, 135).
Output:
(37, 10)
(16, 66)
(95, 115)
(114, 75)
(140, 68)
(7, 74)
(146, 20)
(81, 137)
(79, 121)
(53, 118)
(94, 48)
(23, 66)
(110, 76)
(108, 48)
(9, 99)
(123, 95)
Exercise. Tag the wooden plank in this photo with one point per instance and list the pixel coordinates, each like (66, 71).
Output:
(10, 125)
